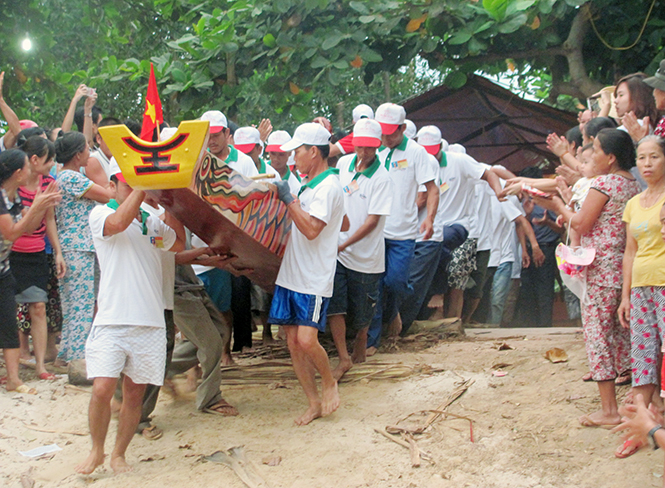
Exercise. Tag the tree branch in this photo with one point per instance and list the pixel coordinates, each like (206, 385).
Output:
(532, 53)
(573, 52)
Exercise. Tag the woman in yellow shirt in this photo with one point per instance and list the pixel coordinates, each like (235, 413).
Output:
(643, 295)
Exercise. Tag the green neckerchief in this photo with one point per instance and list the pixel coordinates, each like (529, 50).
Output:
(444, 160)
(368, 172)
(313, 183)
(233, 155)
(262, 169)
(144, 215)
(401, 147)
(288, 174)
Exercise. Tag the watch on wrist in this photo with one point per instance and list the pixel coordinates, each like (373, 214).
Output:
(652, 438)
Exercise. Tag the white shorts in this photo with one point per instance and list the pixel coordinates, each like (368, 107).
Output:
(137, 351)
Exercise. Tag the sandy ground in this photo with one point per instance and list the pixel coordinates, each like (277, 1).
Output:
(525, 428)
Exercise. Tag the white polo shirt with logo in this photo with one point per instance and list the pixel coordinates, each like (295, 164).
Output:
(241, 163)
(409, 166)
(369, 192)
(130, 286)
(309, 266)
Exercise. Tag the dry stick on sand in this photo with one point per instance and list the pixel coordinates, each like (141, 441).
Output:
(424, 455)
(235, 459)
(49, 431)
(415, 451)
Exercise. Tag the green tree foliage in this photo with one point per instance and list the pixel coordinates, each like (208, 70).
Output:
(289, 59)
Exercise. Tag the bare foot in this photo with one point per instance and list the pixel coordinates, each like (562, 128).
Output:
(91, 463)
(599, 419)
(342, 367)
(395, 327)
(330, 399)
(359, 356)
(13, 385)
(119, 465)
(312, 413)
(227, 360)
(371, 351)
(267, 339)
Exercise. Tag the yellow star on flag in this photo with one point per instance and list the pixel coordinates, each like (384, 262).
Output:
(150, 111)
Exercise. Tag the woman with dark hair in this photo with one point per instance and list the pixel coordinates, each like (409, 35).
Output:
(29, 259)
(657, 83)
(13, 223)
(77, 287)
(635, 106)
(599, 223)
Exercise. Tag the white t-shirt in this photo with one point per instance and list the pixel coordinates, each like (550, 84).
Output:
(104, 162)
(241, 163)
(130, 287)
(365, 196)
(483, 212)
(168, 262)
(309, 266)
(267, 169)
(503, 215)
(409, 166)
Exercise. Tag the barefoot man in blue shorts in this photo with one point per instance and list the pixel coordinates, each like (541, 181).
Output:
(304, 284)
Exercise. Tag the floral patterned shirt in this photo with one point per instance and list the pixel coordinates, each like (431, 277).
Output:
(660, 128)
(608, 234)
(73, 212)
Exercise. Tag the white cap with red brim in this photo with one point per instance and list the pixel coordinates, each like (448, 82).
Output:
(311, 134)
(367, 133)
(390, 116)
(217, 120)
(246, 138)
(276, 140)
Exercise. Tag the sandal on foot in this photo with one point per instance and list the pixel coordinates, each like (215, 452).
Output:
(628, 448)
(46, 376)
(587, 377)
(222, 408)
(586, 421)
(24, 389)
(623, 379)
(152, 433)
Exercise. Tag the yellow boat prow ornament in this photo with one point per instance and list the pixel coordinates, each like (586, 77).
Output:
(159, 165)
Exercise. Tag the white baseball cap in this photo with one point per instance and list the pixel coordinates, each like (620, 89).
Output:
(390, 116)
(367, 133)
(245, 139)
(167, 133)
(457, 148)
(276, 140)
(217, 120)
(311, 133)
(362, 111)
(430, 138)
(410, 130)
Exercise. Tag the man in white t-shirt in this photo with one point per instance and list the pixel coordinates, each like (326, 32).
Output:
(304, 283)
(219, 146)
(280, 159)
(248, 141)
(409, 167)
(128, 334)
(368, 197)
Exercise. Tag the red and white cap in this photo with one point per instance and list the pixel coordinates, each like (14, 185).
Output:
(430, 138)
(311, 133)
(217, 120)
(276, 140)
(367, 133)
(362, 111)
(246, 138)
(390, 116)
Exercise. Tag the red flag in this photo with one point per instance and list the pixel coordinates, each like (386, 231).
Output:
(152, 116)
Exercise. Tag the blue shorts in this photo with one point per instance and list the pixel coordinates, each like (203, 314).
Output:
(355, 294)
(293, 308)
(217, 283)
